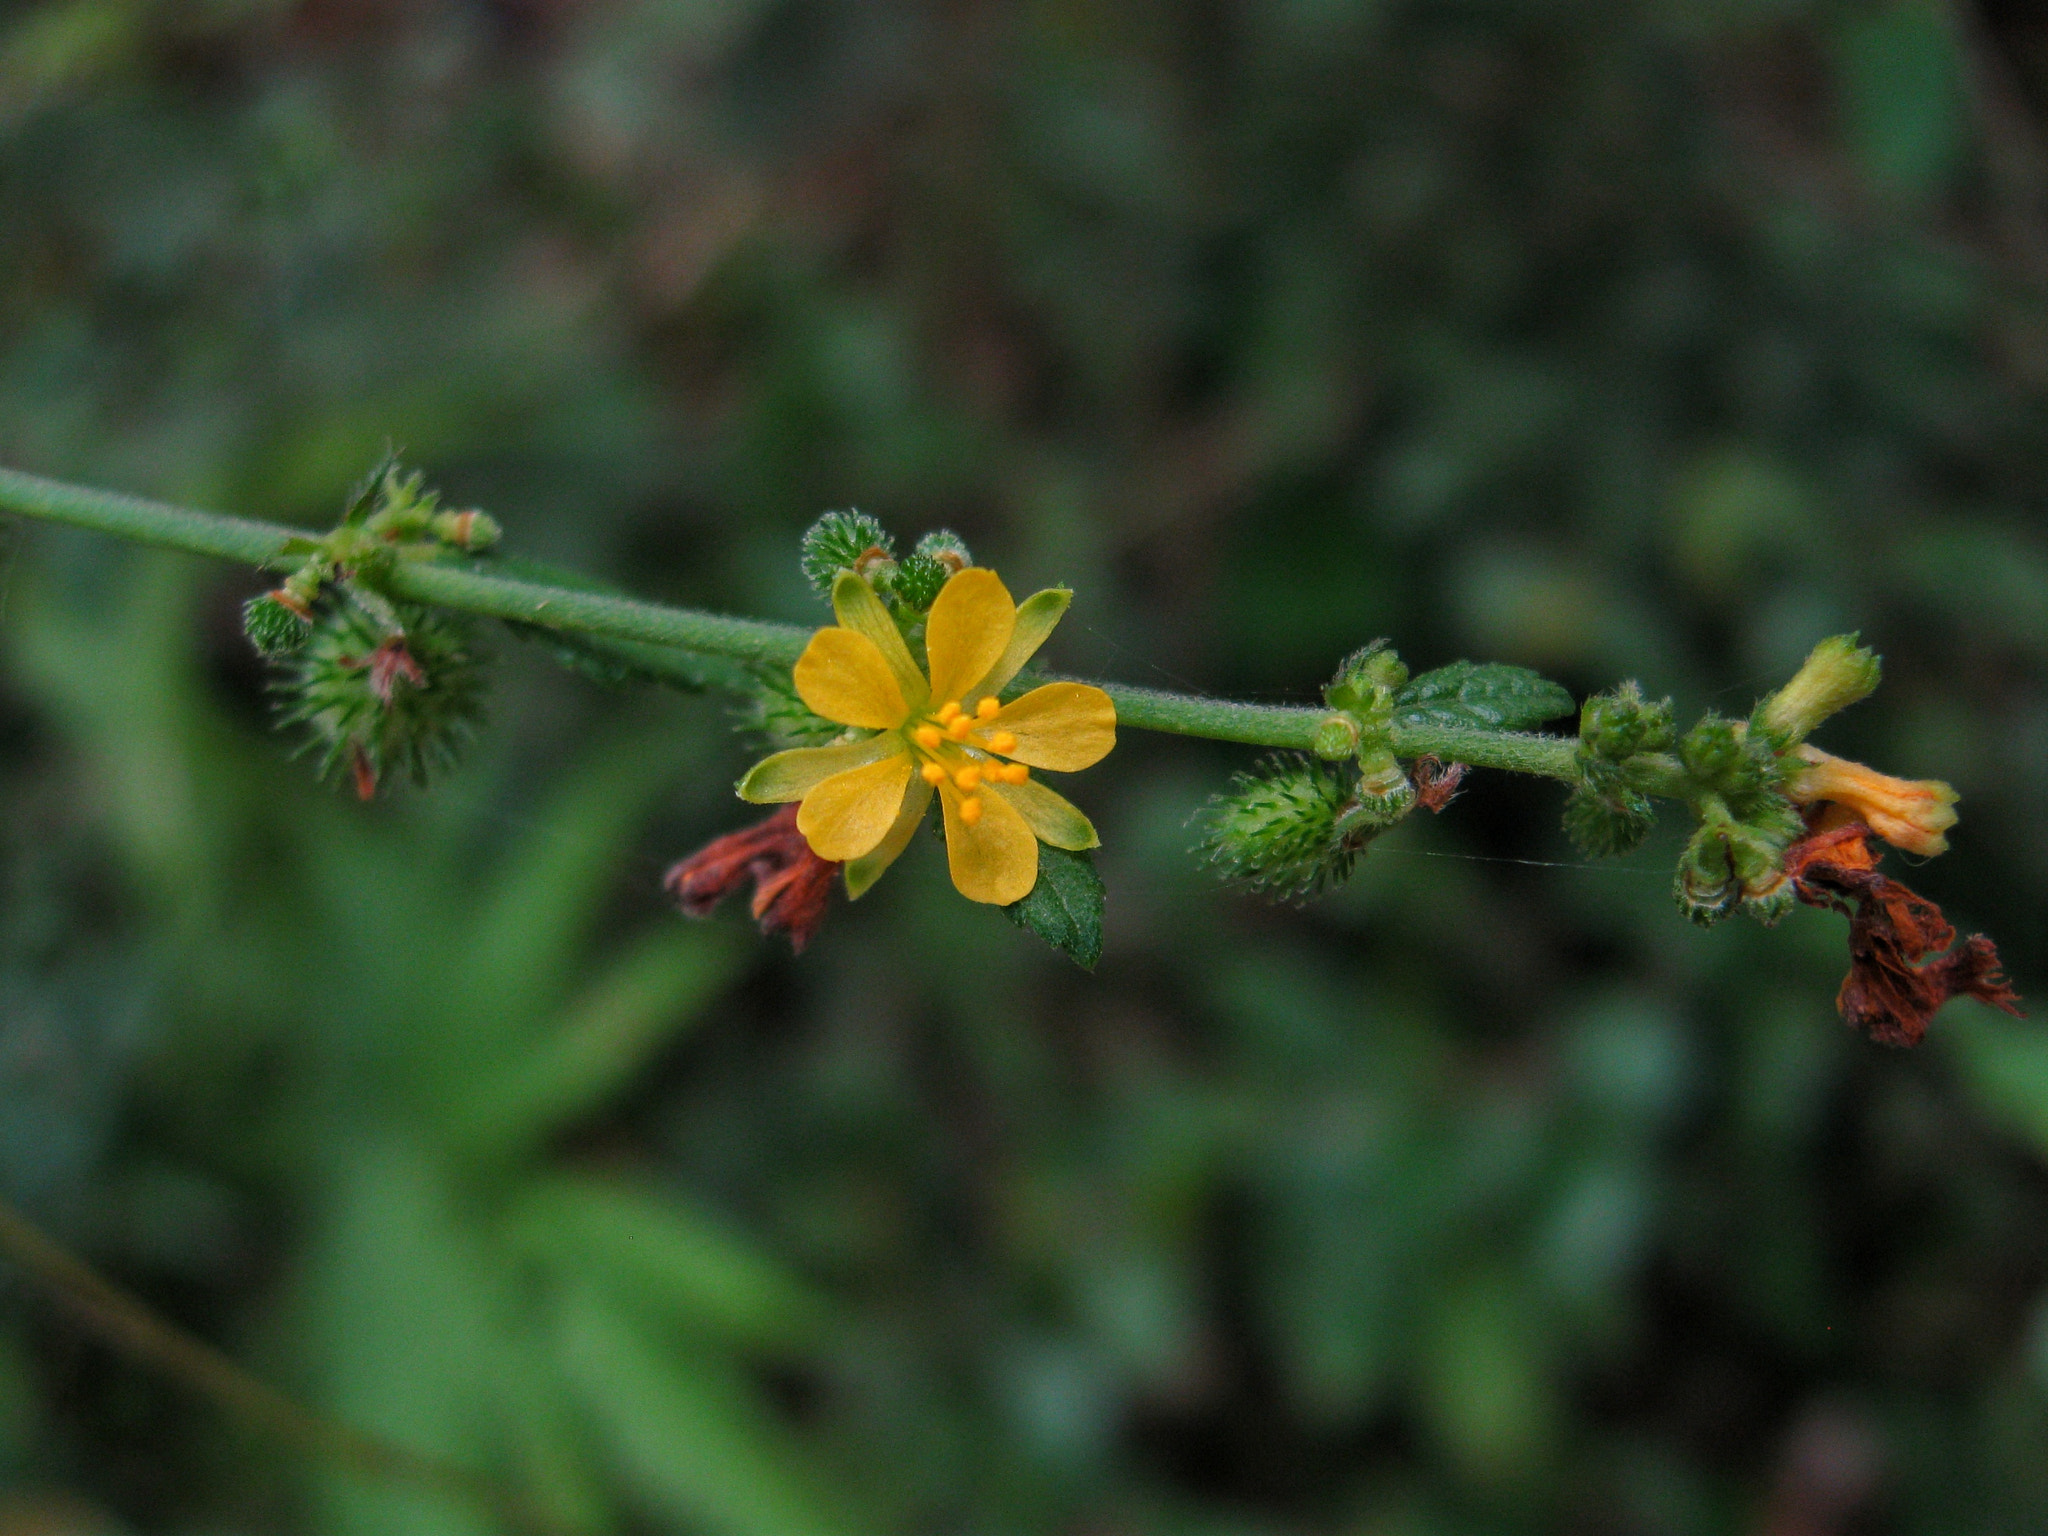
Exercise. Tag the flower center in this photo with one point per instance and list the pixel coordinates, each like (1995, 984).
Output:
(964, 746)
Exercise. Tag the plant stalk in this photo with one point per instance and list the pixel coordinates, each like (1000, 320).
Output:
(685, 646)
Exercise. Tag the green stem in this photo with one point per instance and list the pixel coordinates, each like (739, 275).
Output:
(698, 649)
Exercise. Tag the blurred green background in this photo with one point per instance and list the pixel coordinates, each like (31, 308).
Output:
(1647, 338)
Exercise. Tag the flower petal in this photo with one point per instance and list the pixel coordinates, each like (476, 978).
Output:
(792, 775)
(996, 859)
(843, 676)
(848, 814)
(1061, 726)
(867, 869)
(858, 608)
(1051, 817)
(1037, 616)
(968, 631)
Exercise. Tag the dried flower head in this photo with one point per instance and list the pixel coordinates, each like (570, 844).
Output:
(1904, 962)
(792, 885)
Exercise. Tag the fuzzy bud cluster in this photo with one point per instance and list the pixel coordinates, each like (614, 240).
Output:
(1735, 859)
(1278, 830)
(1606, 814)
(842, 541)
(855, 541)
(382, 688)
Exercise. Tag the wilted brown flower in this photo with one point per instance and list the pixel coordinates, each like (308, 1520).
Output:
(792, 885)
(1436, 782)
(1904, 962)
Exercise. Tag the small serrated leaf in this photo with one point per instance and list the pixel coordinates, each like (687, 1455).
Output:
(1065, 906)
(1491, 695)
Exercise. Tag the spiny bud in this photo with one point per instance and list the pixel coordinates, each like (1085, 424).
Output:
(277, 623)
(1277, 830)
(839, 541)
(918, 582)
(1620, 724)
(1607, 821)
(1835, 675)
(472, 532)
(946, 547)
(383, 687)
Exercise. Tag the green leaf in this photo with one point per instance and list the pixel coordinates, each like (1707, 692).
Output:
(653, 993)
(665, 1260)
(688, 1433)
(1065, 906)
(1492, 696)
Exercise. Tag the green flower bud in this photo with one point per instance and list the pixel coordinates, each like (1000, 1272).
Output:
(946, 547)
(917, 582)
(383, 688)
(1616, 725)
(1278, 829)
(1367, 679)
(1705, 886)
(1835, 675)
(277, 623)
(1729, 862)
(1336, 738)
(839, 541)
(1712, 751)
(472, 532)
(1607, 821)
(1770, 900)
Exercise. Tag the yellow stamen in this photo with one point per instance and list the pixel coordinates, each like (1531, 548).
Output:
(987, 708)
(1002, 741)
(1013, 773)
(968, 778)
(933, 773)
(948, 710)
(928, 736)
(959, 726)
(970, 810)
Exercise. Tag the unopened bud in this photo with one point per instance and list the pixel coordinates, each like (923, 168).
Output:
(1277, 830)
(1835, 675)
(1712, 750)
(277, 623)
(1367, 679)
(1336, 738)
(947, 548)
(473, 532)
(1616, 725)
(1607, 821)
(919, 580)
(840, 541)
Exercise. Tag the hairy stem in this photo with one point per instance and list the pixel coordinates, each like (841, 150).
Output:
(698, 650)
(128, 1325)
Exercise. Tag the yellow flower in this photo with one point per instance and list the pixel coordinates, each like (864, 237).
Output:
(946, 732)
(1910, 814)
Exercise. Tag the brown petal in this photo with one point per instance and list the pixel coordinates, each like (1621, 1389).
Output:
(1436, 782)
(792, 885)
(1904, 962)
